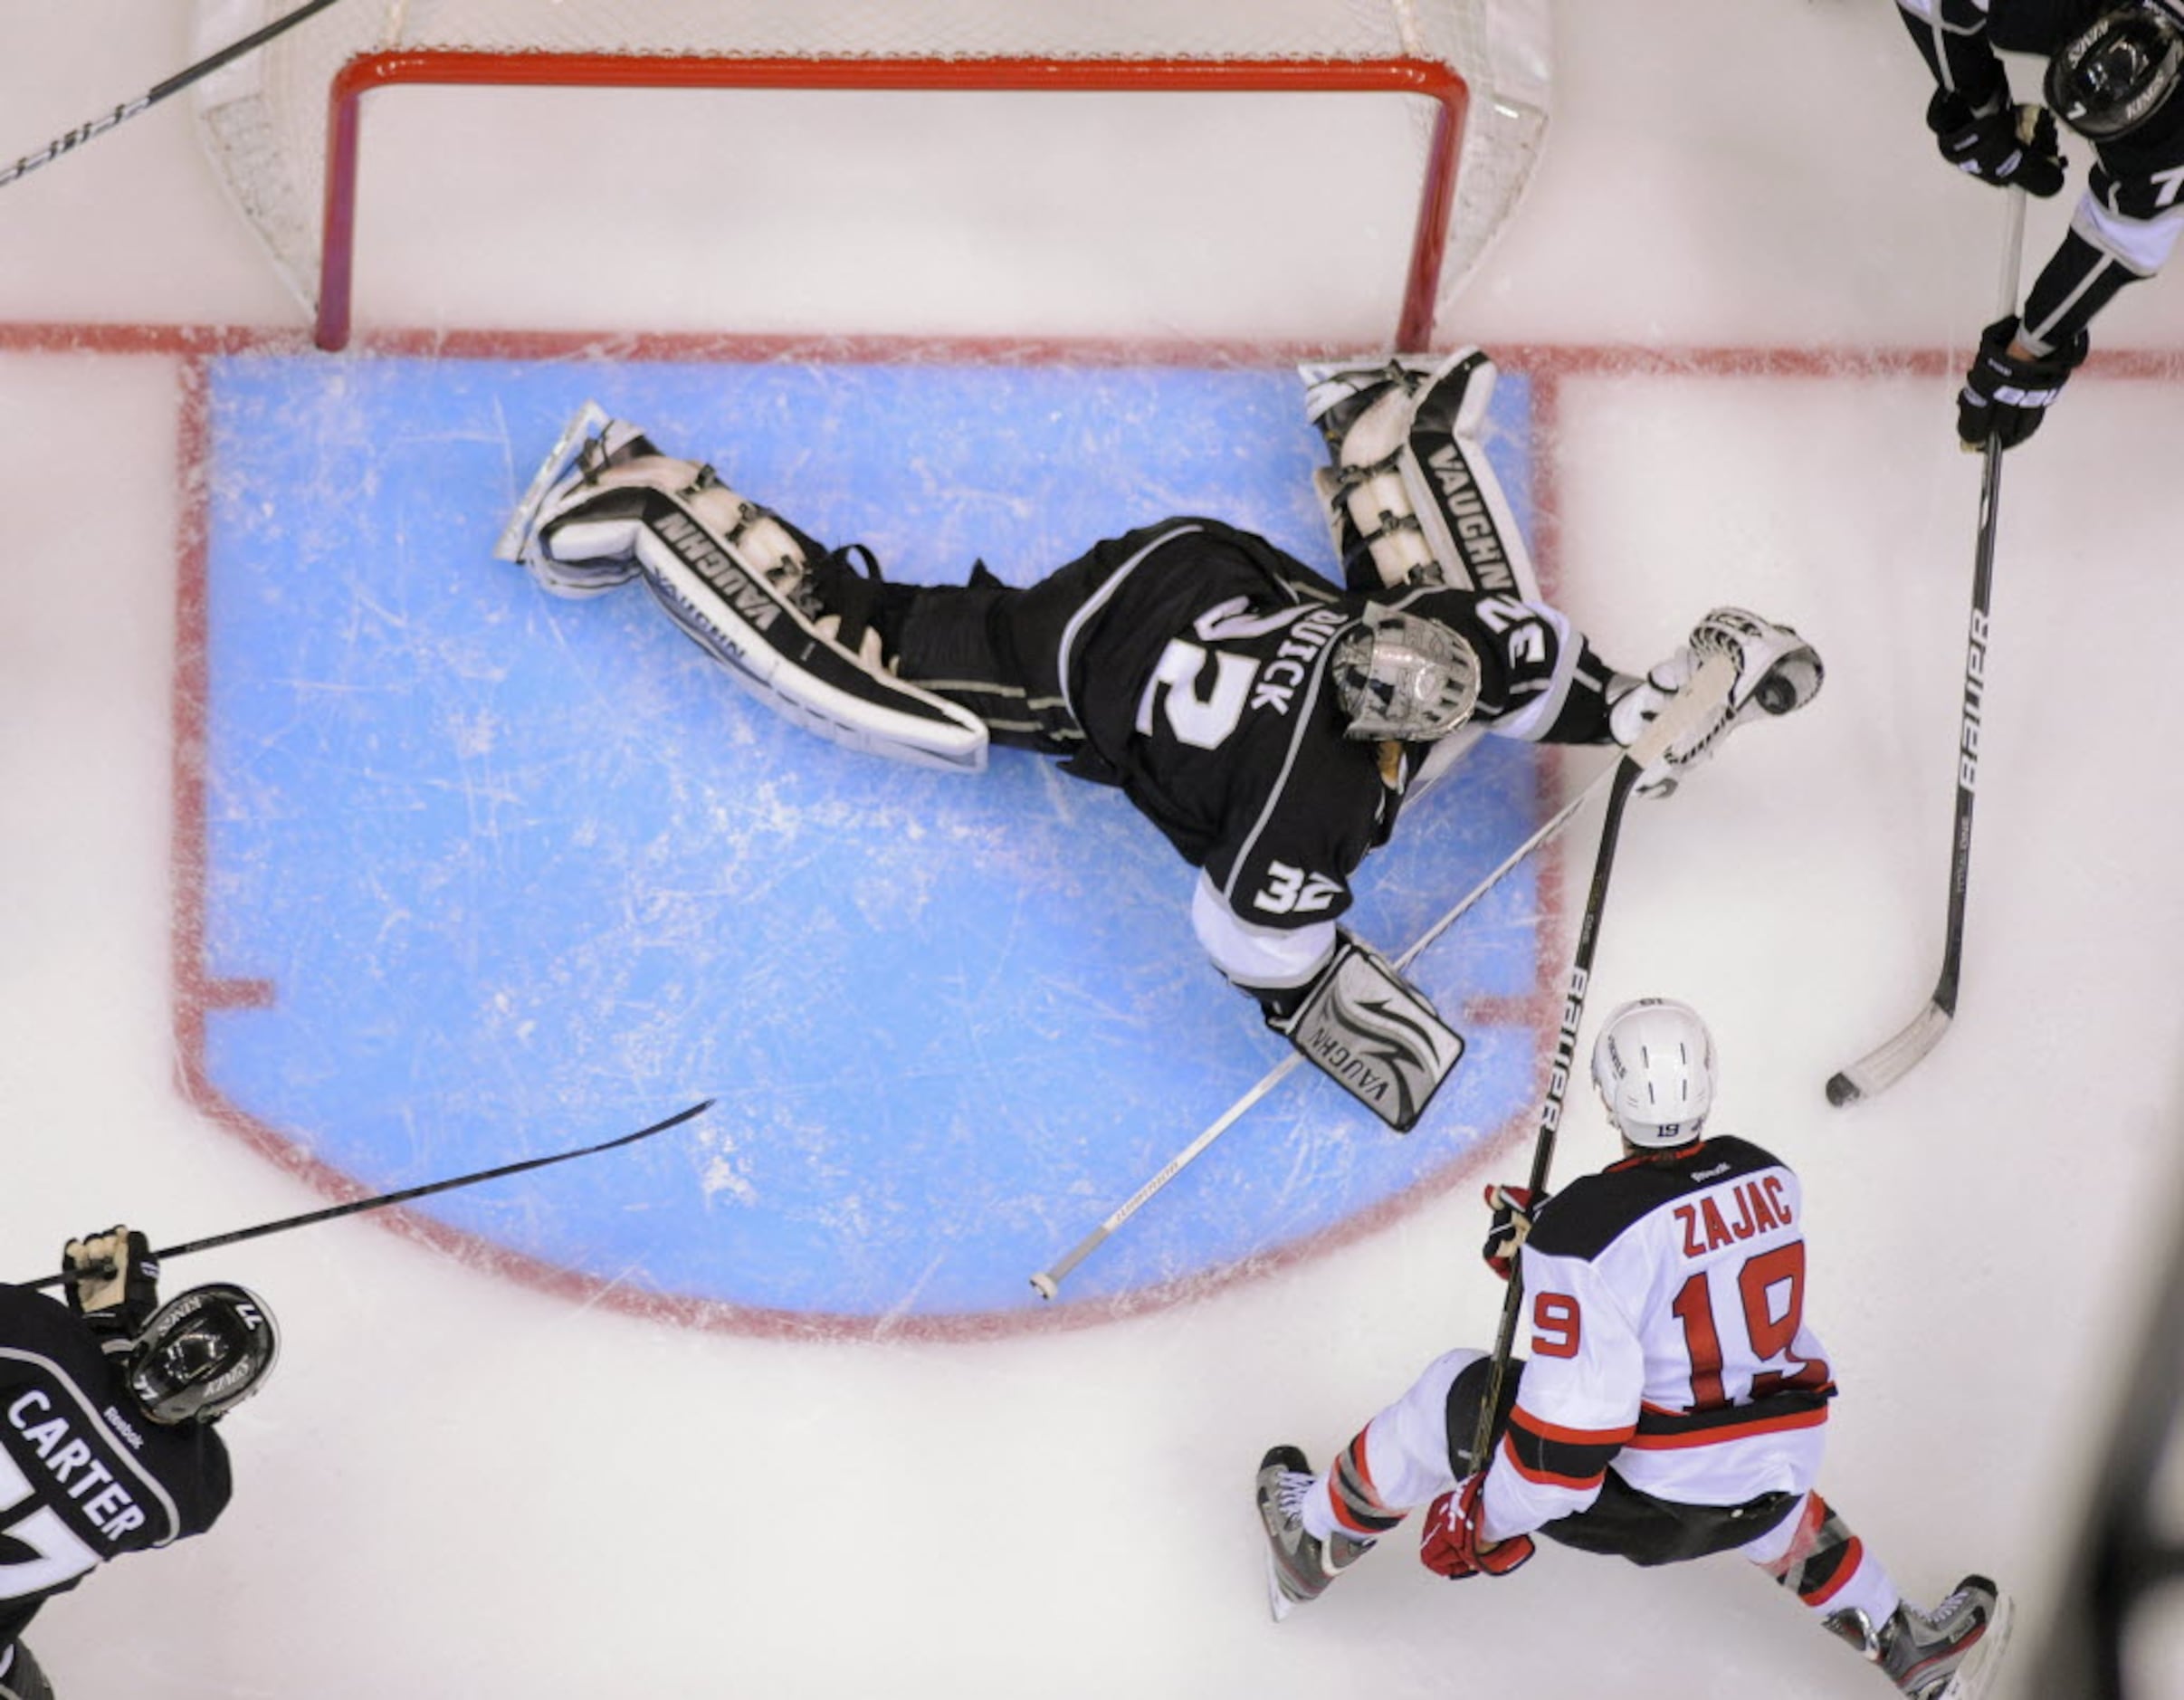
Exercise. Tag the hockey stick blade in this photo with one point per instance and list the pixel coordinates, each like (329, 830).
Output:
(1885, 1065)
(588, 418)
(1882, 1067)
(357, 1207)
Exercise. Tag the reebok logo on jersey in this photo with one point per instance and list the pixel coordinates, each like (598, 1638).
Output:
(69, 1458)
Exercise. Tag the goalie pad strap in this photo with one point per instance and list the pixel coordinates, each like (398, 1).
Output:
(1374, 1035)
(1416, 487)
(718, 591)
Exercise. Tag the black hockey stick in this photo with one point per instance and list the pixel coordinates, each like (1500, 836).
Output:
(1886, 1063)
(160, 92)
(358, 1206)
(1701, 701)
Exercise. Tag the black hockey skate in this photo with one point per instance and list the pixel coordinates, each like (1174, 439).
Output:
(589, 445)
(1299, 1567)
(1948, 1653)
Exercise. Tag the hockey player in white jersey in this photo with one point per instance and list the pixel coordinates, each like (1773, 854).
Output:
(1271, 725)
(1673, 1402)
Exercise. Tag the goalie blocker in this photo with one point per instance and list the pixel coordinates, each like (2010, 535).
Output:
(1373, 1034)
(609, 507)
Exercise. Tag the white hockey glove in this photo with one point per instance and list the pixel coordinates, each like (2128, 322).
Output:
(1777, 673)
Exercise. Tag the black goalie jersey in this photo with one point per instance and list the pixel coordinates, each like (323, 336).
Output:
(1197, 664)
(83, 1478)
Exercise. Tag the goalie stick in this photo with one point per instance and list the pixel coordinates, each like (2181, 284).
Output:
(158, 92)
(1882, 1066)
(1048, 1281)
(358, 1206)
(1704, 698)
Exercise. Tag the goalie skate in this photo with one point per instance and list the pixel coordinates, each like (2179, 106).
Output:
(586, 421)
(749, 587)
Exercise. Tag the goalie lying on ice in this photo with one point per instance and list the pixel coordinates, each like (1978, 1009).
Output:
(1272, 725)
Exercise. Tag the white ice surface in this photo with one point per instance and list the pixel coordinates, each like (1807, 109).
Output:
(461, 1488)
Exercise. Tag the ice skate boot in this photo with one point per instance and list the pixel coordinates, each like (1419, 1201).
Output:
(1299, 1566)
(573, 473)
(1948, 1653)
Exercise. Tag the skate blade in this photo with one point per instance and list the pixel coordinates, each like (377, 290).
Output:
(589, 418)
(1976, 1674)
(1277, 1602)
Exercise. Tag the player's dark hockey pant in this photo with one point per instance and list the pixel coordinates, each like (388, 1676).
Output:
(1622, 1522)
(20, 1676)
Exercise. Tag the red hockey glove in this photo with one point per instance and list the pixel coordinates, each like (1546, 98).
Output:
(1449, 1544)
(1514, 1208)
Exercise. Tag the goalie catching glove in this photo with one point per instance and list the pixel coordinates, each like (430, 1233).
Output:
(1777, 673)
(1371, 1031)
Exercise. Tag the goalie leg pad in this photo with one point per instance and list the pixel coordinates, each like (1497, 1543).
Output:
(1374, 1035)
(1411, 498)
(731, 587)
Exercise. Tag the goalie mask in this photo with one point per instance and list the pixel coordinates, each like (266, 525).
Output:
(1404, 677)
(1653, 1063)
(2110, 79)
(203, 1353)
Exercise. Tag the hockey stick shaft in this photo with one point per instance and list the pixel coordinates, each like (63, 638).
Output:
(1049, 1280)
(158, 92)
(1888, 1063)
(1701, 700)
(357, 1207)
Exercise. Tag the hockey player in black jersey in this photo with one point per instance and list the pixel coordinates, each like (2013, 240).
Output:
(1270, 724)
(2112, 76)
(1673, 1403)
(107, 1403)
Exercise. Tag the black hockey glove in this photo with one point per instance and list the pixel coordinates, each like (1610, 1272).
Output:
(113, 1281)
(1986, 144)
(1514, 1208)
(2006, 395)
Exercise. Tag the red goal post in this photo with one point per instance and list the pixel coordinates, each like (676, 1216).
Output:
(285, 128)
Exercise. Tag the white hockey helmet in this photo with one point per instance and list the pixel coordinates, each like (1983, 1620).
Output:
(1653, 1063)
(1403, 676)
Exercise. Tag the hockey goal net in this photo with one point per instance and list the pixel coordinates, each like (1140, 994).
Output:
(985, 165)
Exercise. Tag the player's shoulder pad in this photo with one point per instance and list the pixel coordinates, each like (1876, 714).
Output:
(1594, 1211)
